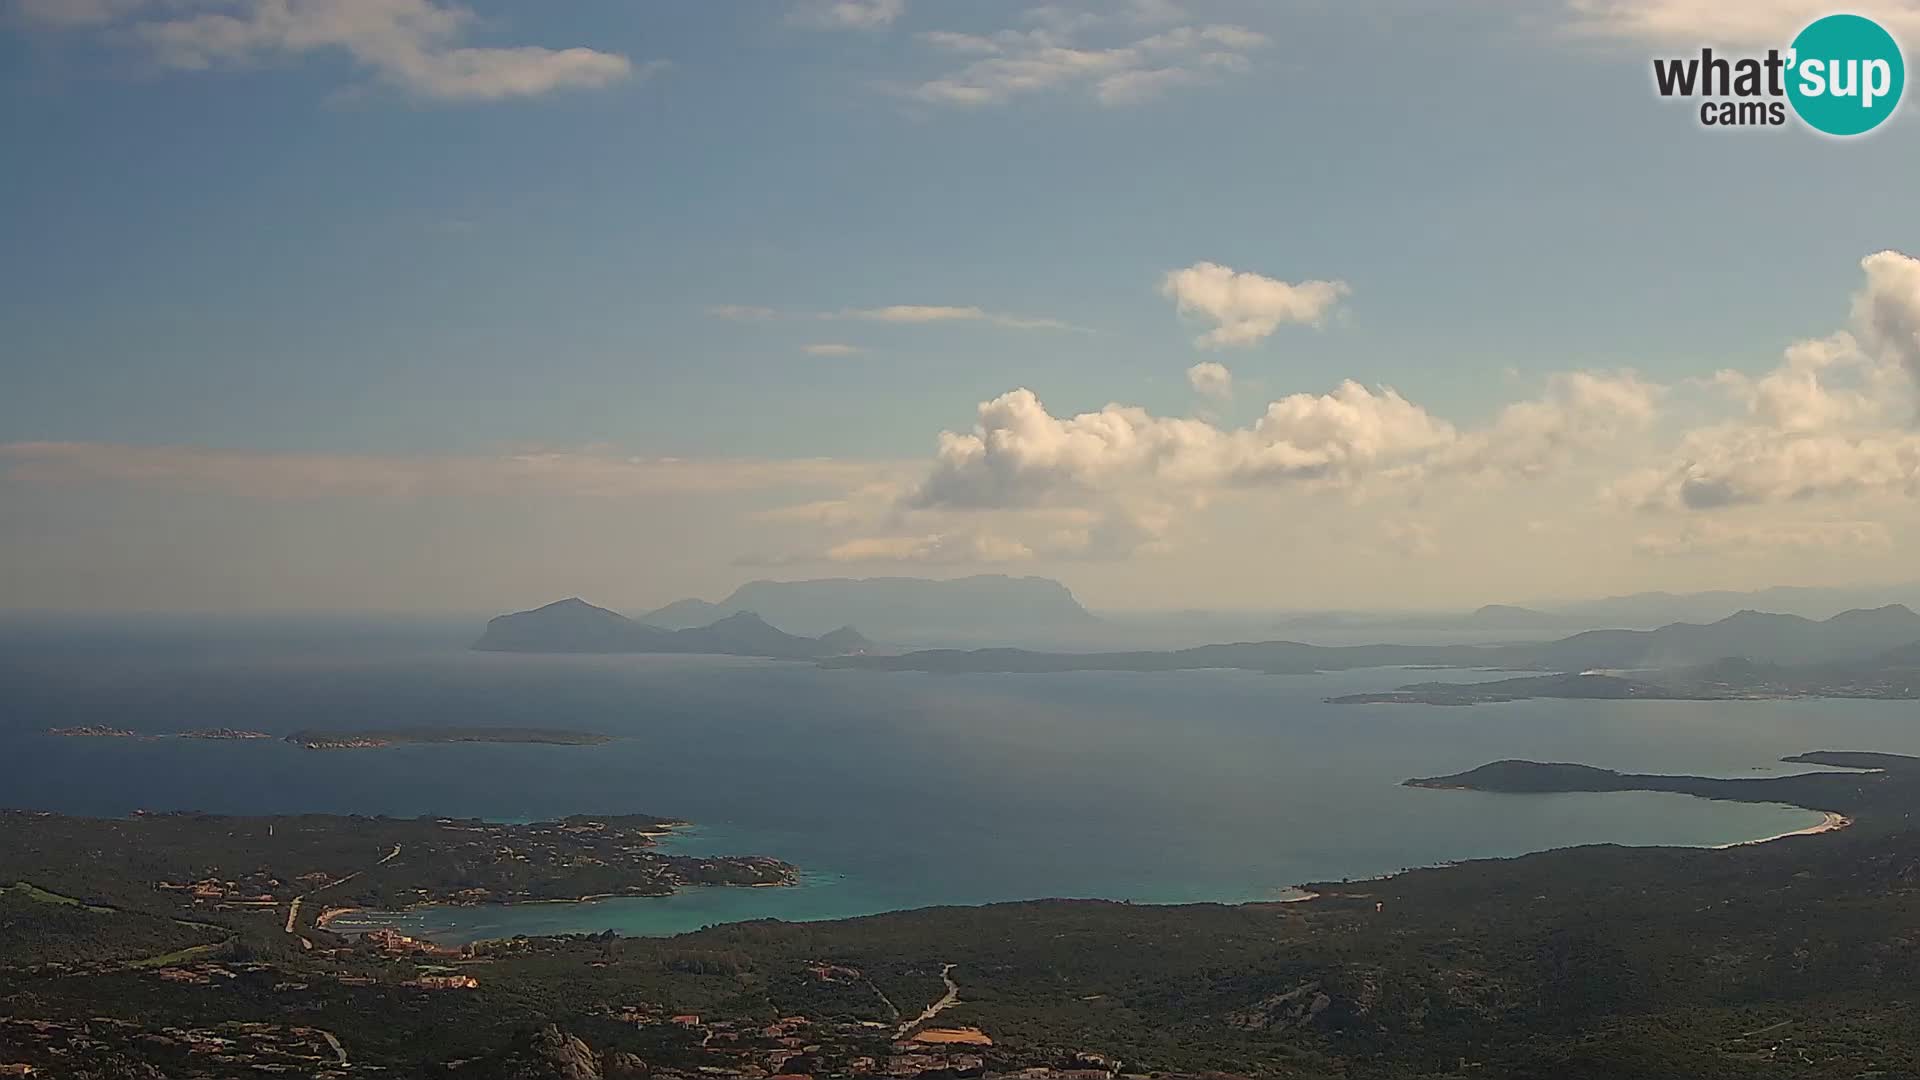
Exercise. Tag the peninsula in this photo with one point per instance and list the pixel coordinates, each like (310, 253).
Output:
(1891, 675)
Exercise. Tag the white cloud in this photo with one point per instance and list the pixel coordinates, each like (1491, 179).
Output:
(1694, 23)
(1131, 476)
(1823, 424)
(1800, 395)
(832, 349)
(1211, 380)
(848, 14)
(1579, 412)
(1053, 56)
(1736, 465)
(1019, 454)
(1245, 307)
(417, 46)
(1887, 310)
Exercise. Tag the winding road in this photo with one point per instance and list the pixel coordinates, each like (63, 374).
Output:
(951, 998)
(293, 909)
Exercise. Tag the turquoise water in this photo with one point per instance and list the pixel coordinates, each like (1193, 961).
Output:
(904, 790)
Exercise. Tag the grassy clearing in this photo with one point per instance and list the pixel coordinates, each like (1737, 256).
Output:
(28, 890)
(178, 956)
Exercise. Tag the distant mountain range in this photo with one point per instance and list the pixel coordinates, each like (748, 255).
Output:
(575, 626)
(985, 607)
(1656, 608)
(1894, 674)
(1752, 635)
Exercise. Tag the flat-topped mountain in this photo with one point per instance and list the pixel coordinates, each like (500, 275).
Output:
(984, 607)
(575, 626)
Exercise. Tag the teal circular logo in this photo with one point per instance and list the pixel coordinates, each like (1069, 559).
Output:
(1845, 75)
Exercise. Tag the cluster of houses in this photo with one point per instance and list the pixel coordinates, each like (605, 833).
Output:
(62, 1048)
(797, 1048)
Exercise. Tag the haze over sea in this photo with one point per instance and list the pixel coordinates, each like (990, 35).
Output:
(889, 790)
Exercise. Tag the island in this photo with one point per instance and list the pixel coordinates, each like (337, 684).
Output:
(575, 626)
(373, 739)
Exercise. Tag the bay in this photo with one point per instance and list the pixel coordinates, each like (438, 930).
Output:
(898, 790)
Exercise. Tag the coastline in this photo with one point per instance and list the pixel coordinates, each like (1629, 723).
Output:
(384, 918)
(322, 921)
(1829, 822)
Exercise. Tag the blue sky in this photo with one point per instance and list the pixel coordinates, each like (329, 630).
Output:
(303, 245)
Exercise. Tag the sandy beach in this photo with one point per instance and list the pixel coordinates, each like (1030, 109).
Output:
(1830, 822)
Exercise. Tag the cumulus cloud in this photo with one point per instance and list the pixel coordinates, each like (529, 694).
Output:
(1021, 454)
(1054, 56)
(848, 14)
(1887, 309)
(1211, 380)
(1800, 395)
(1822, 424)
(1116, 482)
(1738, 465)
(1579, 412)
(418, 46)
(1245, 307)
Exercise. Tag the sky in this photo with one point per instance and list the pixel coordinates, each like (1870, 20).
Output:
(1382, 304)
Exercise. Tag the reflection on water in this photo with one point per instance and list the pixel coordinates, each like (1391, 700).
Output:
(904, 790)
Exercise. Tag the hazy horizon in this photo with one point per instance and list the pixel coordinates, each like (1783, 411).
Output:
(465, 308)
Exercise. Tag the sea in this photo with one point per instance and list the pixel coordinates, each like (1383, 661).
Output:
(889, 790)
